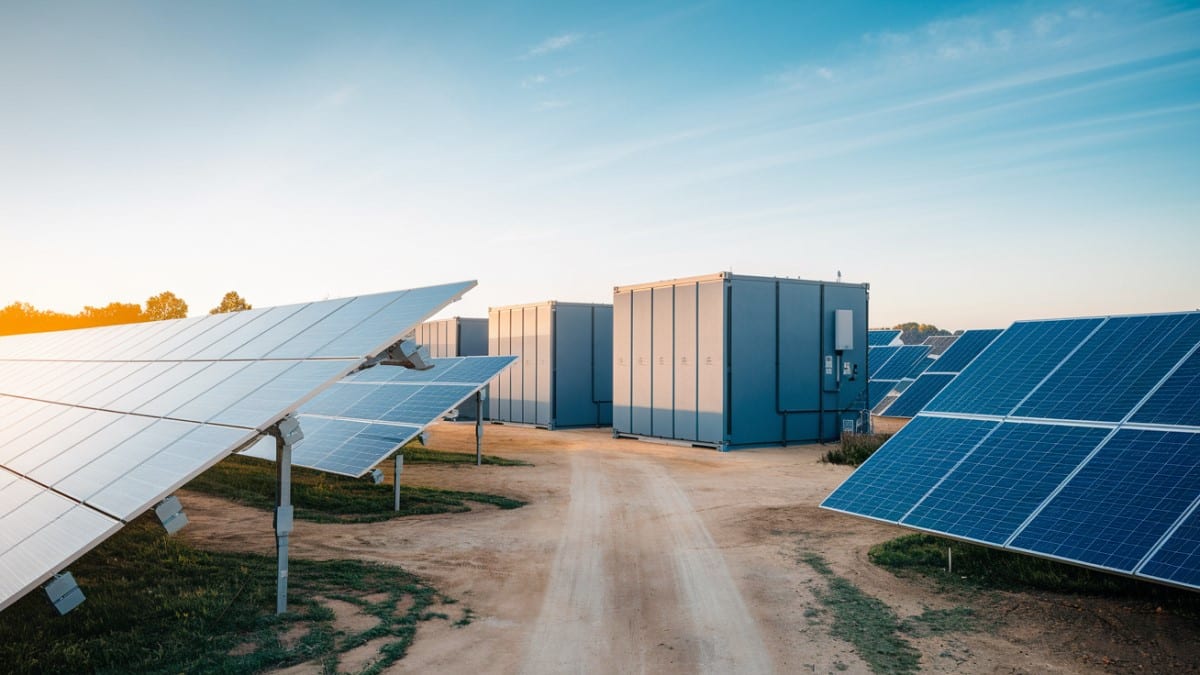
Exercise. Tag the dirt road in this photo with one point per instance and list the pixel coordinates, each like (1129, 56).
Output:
(634, 557)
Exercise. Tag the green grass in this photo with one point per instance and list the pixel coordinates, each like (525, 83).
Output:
(322, 497)
(157, 605)
(854, 449)
(941, 622)
(417, 454)
(988, 568)
(865, 622)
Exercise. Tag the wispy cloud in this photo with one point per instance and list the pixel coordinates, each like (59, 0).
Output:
(534, 81)
(553, 44)
(552, 104)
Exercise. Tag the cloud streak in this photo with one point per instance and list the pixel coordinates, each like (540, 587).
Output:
(553, 44)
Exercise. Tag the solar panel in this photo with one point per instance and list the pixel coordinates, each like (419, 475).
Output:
(356, 423)
(965, 349)
(918, 394)
(939, 343)
(920, 367)
(879, 390)
(1012, 366)
(97, 425)
(878, 357)
(902, 361)
(1072, 439)
(882, 338)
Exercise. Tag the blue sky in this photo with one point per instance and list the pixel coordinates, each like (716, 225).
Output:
(977, 163)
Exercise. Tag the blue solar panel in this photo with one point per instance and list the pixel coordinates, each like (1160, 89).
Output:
(918, 394)
(1001, 482)
(881, 338)
(901, 362)
(920, 367)
(1114, 369)
(1177, 401)
(1130, 503)
(891, 482)
(1012, 366)
(878, 358)
(1179, 558)
(880, 389)
(965, 348)
(938, 344)
(1121, 502)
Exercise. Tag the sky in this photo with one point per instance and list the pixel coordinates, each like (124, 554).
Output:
(976, 163)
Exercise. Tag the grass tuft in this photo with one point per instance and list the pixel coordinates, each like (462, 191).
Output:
(417, 454)
(854, 449)
(323, 498)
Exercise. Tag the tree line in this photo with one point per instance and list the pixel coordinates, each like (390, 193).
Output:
(22, 317)
(913, 333)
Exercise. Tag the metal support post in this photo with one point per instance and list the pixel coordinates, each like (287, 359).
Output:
(479, 428)
(283, 519)
(399, 470)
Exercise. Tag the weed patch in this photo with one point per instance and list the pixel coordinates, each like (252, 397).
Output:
(854, 449)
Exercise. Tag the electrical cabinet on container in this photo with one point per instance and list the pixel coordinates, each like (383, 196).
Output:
(456, 336)
(564, 375)
(729, 360)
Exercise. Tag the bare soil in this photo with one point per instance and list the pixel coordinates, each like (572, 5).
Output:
(638, 557)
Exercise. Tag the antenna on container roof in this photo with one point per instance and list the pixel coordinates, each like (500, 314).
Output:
(839, 276)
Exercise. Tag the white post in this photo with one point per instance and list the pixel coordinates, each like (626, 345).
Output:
(479, 428)
(949, 560)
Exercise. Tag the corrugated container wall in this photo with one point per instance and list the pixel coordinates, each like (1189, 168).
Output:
(456, 336)
(564, 376)
(730, 360)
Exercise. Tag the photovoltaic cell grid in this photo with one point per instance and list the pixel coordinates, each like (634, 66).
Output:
(939, 343)
(355, 424)
(940, 372)
(902, 361)
(98, 424)
(881, 338)
(1093, 457)
(880, 389)
(877, 358)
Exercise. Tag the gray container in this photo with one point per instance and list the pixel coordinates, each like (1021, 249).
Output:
(564, 375)
(456, 336)
(729, 360)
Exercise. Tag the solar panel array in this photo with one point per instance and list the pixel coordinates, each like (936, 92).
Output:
(97, 425)
(356, 423)
(1075, 439)
(882, 338)
(939, 373)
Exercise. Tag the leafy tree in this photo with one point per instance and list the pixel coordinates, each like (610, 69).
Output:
(165, 305)
(110, 314)
(913, 333)
(232, 302)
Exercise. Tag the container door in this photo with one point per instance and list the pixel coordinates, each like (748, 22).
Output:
(662, 377)
(529, 357)
(643, 315)
(602, 362)
(544, 407)
(710, 369)
(685, 362)
(622, 363)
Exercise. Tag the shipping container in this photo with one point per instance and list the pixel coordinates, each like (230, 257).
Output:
(456, 336)
(729, 360)
(564, 375)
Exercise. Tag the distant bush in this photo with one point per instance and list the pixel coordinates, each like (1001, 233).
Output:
(854, 449)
